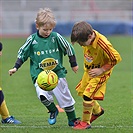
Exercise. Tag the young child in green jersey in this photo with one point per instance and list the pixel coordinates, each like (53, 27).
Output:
(45, 47)
(6, 118)
(99, 60)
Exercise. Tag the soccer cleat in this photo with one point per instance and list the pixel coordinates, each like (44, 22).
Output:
(82, 125)
(74, 122)
(94, 117)
(10, 120)
(52, 119)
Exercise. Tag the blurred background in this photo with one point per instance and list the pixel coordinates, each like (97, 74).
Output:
(112, 18)
(107, 16)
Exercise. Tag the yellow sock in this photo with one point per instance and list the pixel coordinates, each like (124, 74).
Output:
(96, 108)
(87, 110)
(4, 111)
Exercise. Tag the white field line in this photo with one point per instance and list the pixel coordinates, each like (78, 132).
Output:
(41, 127)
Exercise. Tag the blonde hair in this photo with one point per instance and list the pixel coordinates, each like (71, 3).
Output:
(45, 16)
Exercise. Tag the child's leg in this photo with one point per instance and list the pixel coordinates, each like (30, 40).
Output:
(52, 109)
(70, 112)
(96, 108)
(45, 98)
(71, 115)
(97, 111)
(49, 105)
(87, 110)
(3, 108)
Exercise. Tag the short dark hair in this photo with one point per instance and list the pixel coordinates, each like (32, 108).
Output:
(81, 31)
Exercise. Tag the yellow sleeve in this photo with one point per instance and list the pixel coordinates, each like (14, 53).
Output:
(112, 57)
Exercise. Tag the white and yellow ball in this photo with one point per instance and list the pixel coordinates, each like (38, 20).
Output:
(47, 80)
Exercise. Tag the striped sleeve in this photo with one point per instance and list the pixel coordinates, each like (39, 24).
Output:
(24, 51)
(112, 54)
(66, 45)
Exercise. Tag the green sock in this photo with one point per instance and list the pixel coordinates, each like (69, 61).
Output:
(70, 113)
(50, 106)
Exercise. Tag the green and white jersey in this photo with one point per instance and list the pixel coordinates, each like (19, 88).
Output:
(45, 53)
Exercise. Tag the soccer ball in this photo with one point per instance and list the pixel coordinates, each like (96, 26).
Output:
(47, 80)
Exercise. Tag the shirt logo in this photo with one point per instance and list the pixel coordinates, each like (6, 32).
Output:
(49, 51)
(48, 64)
(34, 42)
(88, 58)
(92, 66)
(53, 39)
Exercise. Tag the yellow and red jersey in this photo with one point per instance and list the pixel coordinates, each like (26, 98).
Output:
(100, 54)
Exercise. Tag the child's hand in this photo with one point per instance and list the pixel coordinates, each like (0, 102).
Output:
(75, 69)
(95, 72)
(12, 71)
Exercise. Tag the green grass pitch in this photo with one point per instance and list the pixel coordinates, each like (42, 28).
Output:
(23, 103)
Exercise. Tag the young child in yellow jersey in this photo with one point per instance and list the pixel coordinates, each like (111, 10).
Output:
(99, 60)
(6, 118)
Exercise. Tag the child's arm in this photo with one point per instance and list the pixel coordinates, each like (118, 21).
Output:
(16, 67)
(73, 63)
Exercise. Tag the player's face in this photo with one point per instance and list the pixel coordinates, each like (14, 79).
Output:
(89, 41)
(45, 30)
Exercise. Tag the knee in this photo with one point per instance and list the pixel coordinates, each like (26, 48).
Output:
(42, 98)
(86, 98)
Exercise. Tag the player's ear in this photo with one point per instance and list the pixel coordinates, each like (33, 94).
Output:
(37, 27)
